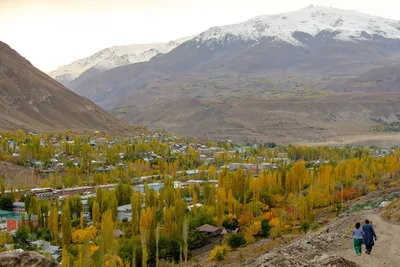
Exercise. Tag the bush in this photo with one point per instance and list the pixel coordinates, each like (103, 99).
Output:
(305, 226)
(196, 239)
(230, 223)
(44, 234)
(265, 228)
(219, 253)
(314, 226)
(20, 238)
(361, 186)
(76, 222)
(236, 240)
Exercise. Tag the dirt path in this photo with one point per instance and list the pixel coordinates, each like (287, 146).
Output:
(385, 253)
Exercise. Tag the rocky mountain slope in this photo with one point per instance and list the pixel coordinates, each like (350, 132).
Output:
(31, 100)
(73, 74)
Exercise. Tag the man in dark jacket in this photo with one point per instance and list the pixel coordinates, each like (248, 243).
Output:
(369, 235)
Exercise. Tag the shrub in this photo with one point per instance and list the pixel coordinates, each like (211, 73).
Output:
(236, 240)
(305, 226)
(265, 228)
(314, 226)
(361, 187)
(219, 253)
(75, 222)
(196, 239)
(231, 222)
(372, 187)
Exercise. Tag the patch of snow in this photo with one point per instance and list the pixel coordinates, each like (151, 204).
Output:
(113, 57)
(311, 20)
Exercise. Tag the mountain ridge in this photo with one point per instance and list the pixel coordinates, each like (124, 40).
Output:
(311, 19)
(31, 100)
(109, 58)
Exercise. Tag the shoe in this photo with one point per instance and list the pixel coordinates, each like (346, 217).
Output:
(359, 254)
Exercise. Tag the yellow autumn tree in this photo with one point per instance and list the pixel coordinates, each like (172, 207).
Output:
(146, 220)
(79, 236)
(221, 199)
(96, 214)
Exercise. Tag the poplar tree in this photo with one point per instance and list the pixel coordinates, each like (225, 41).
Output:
(157, 241)
(146, 221)
(107, 233)
(66, 224)
(96, 214)
(185, 236)
(135, 206)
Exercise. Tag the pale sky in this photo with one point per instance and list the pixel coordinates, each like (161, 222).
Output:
(50, 33)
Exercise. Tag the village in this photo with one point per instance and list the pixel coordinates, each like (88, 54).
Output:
(143, 162)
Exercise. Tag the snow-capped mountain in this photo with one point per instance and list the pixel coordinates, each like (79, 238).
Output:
(318, 42)
(347, 24)
(113, 57)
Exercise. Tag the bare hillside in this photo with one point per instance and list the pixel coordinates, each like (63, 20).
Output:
(31, 100)
(337, 119)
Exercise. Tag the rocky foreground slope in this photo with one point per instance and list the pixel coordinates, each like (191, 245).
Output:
(25, 259)
(310, 251)
(332, 245)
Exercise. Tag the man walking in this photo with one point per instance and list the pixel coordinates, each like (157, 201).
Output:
(369, 235)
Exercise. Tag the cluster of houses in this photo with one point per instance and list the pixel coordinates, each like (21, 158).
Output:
(12, 220)
(380, 153)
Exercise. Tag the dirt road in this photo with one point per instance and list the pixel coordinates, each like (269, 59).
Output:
(385, 253)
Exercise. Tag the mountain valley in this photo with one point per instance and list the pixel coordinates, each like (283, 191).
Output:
(306, 67)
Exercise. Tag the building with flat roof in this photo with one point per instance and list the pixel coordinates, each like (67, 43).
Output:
(210, 230)
(18, 207)
(14, 222)
(4, 214)
(124, 212)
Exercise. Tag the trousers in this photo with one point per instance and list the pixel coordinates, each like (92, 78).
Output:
(357, 245)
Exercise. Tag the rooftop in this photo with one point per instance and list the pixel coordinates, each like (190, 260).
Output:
(19, 204)
(208, 228)
(127, 207)
(19, 217)
(5, 213)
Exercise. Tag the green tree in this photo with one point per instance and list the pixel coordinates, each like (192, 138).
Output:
(135, 206)
(305, 226)
(96, 214)
(265, 228)
(185, 234)
(107, 232)
(157, 243)
(20, 238)
(6, 202)
(66, 224)
(75, 205)
(236, 240)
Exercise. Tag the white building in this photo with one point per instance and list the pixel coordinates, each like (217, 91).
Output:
(124, 212)
(18, 207)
